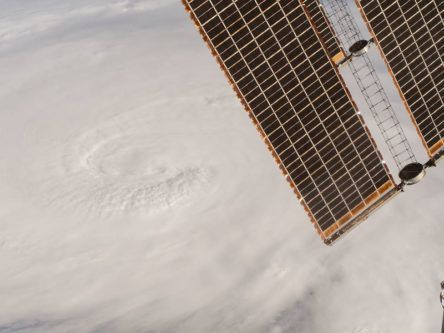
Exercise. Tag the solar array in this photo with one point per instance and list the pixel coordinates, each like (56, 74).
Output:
(410, 35)
(317, 14)
(278, 60)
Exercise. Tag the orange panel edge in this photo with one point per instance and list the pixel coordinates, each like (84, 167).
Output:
(360, 213)
(349, 221)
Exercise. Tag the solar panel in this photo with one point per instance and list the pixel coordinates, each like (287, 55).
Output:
(277, 64)
(410, 35)
(325, 30)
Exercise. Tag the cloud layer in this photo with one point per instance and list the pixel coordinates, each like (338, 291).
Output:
(137, 197)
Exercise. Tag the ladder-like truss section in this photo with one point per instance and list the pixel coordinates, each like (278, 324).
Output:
(369, 83)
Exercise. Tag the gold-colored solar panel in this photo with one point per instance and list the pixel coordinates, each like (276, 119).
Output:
(280, 68)
(410, 35)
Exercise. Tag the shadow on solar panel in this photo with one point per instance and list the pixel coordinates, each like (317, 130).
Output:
(283, 59)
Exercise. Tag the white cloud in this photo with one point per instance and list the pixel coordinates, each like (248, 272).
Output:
(90, 120)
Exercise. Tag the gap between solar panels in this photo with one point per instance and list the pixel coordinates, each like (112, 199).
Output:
(281, 59)
(368, 81)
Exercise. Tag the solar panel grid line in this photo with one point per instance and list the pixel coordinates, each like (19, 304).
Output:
(362, 179)
(440, 7)
(271, 57)
(325, 30)
(284, 86)
(333, 151)
(270, 27)
(234, 74)
(328, 213)
(235, 33)
(335, 232)
(416, 13)
(260, 63)
(228, 17)
(419, 99)
(423, 78)
(344, 176)
(277, 138)
(418, 83)
(263, 13)
(432, 45)
(340, 154)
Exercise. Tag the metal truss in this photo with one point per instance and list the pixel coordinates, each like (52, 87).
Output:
(369, 83)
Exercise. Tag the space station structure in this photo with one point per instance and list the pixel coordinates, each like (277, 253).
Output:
(284, 61)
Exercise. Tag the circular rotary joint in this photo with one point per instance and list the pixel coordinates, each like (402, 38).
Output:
(412, 173)
(359, 48)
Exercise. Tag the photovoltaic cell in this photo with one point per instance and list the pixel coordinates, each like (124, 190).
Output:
(410, 35)
(284, 76)
(325, 30)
